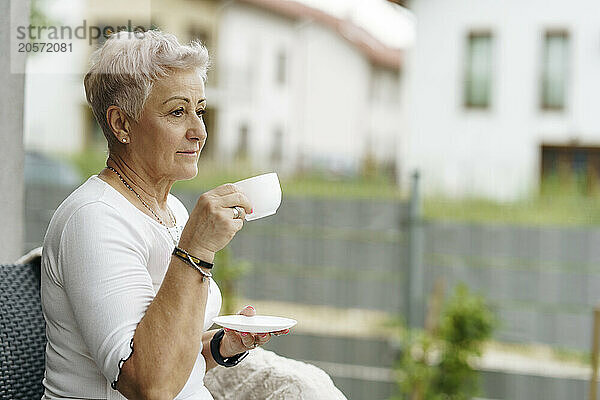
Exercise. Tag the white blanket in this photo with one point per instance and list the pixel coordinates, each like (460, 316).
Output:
(264, 375)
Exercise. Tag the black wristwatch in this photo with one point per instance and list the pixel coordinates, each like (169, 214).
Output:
(215, 343)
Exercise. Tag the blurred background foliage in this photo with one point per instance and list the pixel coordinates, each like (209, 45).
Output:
(310, 183)
(559, 202)
(227, 273)
(436, 364)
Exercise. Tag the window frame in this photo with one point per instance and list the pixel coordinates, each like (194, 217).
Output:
(467, 70)
(543, 105)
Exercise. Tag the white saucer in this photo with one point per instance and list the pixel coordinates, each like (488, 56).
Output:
(255, 324)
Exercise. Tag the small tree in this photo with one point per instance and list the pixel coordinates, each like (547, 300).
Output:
(436, 365)
(226, 273)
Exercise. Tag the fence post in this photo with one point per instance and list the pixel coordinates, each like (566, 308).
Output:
(595, 350)
(414, 282)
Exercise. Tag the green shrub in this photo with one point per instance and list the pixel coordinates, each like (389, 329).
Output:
(89, 162)
(437, 365)
(226, 273)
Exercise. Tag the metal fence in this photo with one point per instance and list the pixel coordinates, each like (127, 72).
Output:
(543, 282)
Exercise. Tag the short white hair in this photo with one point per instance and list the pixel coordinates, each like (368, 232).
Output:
(124, 69)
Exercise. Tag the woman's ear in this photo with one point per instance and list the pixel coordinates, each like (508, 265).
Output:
(118, 122)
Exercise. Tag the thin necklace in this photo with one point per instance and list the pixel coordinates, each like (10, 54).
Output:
(175, 241)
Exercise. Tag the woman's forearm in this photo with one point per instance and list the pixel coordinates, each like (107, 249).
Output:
(167, 339)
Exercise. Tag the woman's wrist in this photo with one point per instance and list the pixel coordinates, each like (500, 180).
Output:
(192, 260)
(198, 252)
(217, 351)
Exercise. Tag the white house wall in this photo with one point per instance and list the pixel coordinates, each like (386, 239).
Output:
(249, 41)
(495, 152)
(324, 108)
(54, 94)
(385, 125)
(331, 108)
(336, 118)
(53, 110)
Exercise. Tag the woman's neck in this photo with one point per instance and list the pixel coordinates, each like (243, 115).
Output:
(152, 191)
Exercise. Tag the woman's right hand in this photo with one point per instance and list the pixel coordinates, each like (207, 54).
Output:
(211, 225)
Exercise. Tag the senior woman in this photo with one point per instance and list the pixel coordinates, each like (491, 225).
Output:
(127, 291)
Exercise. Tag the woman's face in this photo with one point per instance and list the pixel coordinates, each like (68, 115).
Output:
(170, 133)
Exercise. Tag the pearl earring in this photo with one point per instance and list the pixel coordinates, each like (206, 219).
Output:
(124, 140)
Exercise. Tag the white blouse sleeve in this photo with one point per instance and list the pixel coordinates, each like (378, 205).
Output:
(102, 259)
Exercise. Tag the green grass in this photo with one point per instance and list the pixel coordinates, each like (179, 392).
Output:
(553, 208)
(570, 355)
(562, 201)
(541, 210)
(313, 184)
(212, 174)
(89, 162)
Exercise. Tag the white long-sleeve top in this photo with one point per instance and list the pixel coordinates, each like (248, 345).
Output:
(103, 260)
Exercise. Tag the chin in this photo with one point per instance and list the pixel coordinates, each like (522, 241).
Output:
(188, 173)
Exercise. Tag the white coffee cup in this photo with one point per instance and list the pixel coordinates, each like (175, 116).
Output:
(264, 194)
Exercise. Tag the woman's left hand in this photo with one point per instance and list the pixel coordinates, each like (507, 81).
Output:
(235, 342)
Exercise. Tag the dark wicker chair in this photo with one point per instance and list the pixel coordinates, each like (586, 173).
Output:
(22, 332)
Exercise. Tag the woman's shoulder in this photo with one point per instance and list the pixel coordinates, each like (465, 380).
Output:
(91, 201)
(91, 194)
(86, 207)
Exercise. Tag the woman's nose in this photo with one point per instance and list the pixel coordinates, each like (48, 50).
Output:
(197, 130)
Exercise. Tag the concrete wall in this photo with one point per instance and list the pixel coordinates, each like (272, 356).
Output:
(495, 152)
(11, 131)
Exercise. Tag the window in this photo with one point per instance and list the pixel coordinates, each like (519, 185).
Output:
(281, 67)
(196, 32)
(478, 70)
(570, 166)
(210, 146)
(277, 147)
(242, 147)
(94, 136)
(109, 28)
(385, 85)
(554, 70)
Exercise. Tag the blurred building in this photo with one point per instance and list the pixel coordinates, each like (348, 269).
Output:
(291, 86)
(58, 118)
(299, 87)
(501, 95)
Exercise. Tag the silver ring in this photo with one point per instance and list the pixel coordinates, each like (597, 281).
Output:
(236, 212)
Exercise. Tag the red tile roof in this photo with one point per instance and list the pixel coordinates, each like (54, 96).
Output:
(377, 52)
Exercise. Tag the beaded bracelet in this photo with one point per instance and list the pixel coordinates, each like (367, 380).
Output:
(180, 252)
(189, 260)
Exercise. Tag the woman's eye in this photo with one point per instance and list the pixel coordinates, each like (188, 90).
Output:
(178, 112)
(201, 112)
